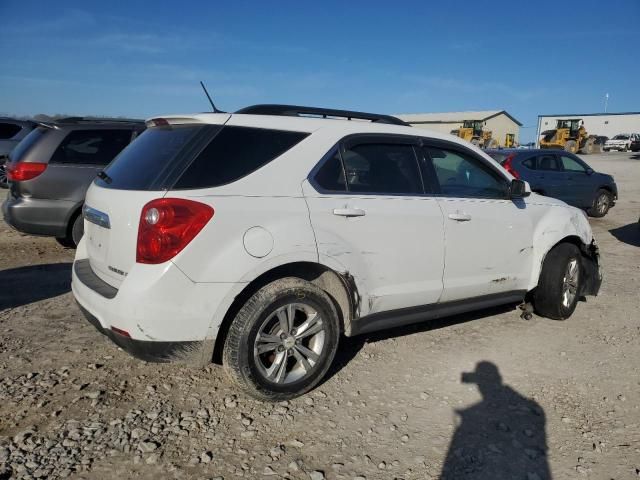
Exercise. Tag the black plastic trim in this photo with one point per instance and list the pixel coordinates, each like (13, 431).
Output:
(407, 316)
(149, 351)
(87, 276)
(298, 111)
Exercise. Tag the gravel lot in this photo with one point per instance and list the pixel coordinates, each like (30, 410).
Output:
(395, 405)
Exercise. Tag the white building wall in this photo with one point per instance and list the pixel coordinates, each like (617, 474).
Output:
(499, 125)
(602, 124)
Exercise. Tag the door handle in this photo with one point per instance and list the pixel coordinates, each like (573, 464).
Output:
(460, 217)
(349, 212)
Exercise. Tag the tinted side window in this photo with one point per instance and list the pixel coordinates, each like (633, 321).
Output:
(91, 147)
(234, 153)
(530, 163)
(8, 130)
(547, 162)
(572, 165)
(331, 175)
(461, 175)
(382, 168)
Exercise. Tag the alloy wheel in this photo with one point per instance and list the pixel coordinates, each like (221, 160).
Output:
(570, 283)
(289, 343)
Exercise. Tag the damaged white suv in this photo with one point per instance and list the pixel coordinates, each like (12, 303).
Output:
(259, 238)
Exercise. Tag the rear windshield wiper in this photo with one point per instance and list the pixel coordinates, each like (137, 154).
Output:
(102, 175)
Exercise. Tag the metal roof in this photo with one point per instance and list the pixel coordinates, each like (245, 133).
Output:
(453, 117)
(588, 114)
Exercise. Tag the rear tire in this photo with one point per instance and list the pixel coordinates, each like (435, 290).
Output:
(76, 230)
(3, 173)
(560, 283)
(282, 341)
(571, 146)
(601, 204)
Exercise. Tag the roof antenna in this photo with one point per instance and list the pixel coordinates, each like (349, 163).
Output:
(215, 110)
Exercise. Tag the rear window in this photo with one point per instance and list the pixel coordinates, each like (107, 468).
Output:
(142, 164)
(91, 147)
(235, 153)
(26, 143)
(195, 156)
(8, 130)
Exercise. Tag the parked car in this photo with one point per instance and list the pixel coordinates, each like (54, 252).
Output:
(562, 175)
(259, 238)
(52, 167)
(621, 142)
(11, 132)
(635, 144)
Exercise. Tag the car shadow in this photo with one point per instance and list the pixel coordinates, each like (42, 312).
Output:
(629, 234)
(24, 285)
(501, 436)
(635, 156)
(351, 346)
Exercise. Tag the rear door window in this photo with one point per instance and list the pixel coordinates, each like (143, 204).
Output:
(91, 147)
(382, 169)
(234, 153)
(330, 176)
(548, 163)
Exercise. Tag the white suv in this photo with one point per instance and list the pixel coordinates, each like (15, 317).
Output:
(259, 238)
(621, 142)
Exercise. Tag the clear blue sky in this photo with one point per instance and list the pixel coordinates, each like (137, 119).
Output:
(143, 59)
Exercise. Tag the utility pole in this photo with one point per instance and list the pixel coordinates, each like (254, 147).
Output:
(606, 102)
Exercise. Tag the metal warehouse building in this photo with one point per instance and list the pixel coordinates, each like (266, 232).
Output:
(601, 124)
(498, 121)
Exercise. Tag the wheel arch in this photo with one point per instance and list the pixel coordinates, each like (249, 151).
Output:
(339, 286)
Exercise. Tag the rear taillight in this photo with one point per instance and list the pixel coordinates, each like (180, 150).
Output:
(21, 171)
(167, 225)
(508, 166)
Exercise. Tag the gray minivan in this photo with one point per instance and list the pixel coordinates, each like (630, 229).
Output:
(50, 170)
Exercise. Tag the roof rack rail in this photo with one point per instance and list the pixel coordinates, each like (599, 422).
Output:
(298, 111)
(97, 120)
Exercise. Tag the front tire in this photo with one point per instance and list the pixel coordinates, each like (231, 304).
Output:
(283, 340)
(601, 204)
(560, 283)
(571, 146)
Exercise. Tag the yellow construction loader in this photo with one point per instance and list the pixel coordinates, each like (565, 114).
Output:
(472, 131)
(510, 140)
(571, 136)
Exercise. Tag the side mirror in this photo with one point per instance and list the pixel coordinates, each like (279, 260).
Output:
(519, 189)
(589, 171)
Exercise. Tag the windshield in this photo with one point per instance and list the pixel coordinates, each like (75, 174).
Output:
(621, 137)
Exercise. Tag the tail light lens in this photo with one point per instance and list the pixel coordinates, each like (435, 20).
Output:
(167, 225)
(21, 171)
(508, 166)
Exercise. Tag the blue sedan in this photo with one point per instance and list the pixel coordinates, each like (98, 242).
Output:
(562, 175)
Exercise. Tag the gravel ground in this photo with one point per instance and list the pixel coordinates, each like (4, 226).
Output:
(540, 399)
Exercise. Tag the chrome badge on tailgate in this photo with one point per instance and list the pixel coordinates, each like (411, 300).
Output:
(96, 216)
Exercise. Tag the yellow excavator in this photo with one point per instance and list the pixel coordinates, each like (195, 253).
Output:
(473, 131)
(570, 135)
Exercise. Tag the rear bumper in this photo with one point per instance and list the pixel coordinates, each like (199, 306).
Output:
(145, 350)
(37, 216)
(165, 315)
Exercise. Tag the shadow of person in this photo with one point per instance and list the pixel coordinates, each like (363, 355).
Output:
(501, 437)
